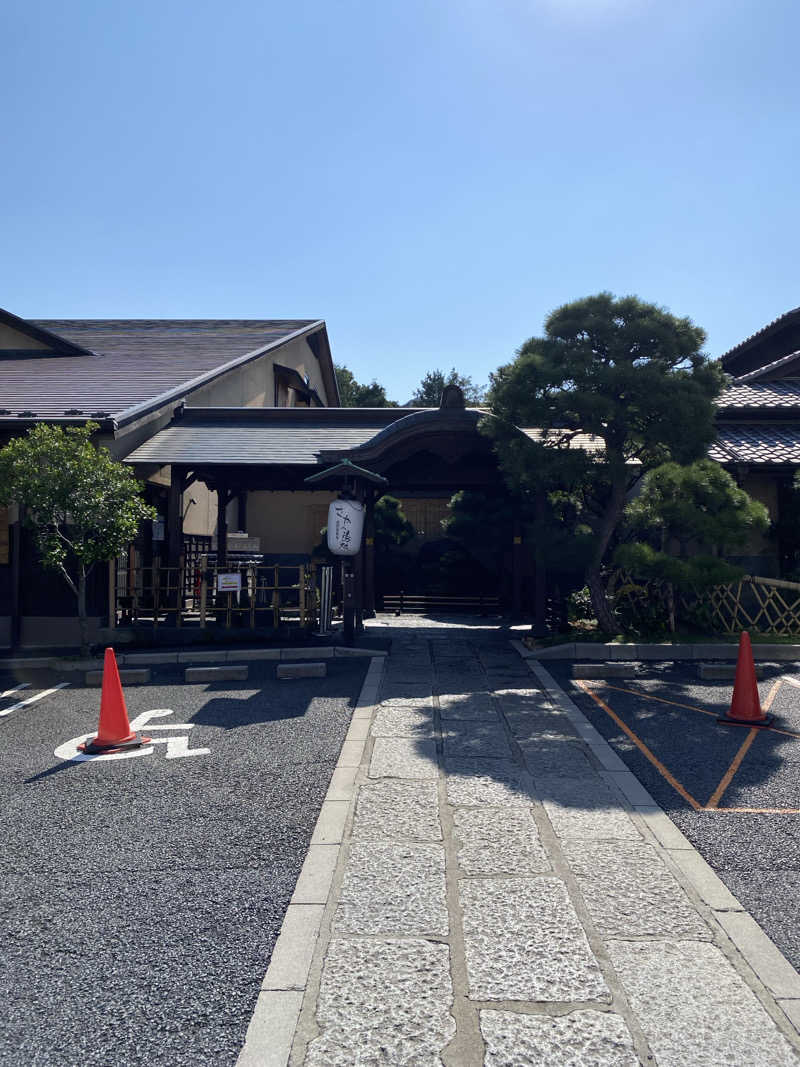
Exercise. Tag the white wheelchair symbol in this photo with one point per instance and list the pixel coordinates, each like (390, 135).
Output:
(177, 746)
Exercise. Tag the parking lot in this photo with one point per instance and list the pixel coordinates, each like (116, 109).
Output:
(142, 896)
(733, 791)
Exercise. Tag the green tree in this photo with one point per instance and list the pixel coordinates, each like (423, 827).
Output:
(613, 388)
(683, 520)
(429, 392)
(480, 521)
(355, 395)
(82, 506)
(392, 528)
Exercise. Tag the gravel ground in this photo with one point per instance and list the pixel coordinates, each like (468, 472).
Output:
(142, 898)
(756, 855)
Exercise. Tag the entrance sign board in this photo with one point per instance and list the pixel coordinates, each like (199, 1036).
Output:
(229, 583)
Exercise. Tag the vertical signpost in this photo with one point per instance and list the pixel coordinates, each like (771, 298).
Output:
(345, 533)
(345, 528)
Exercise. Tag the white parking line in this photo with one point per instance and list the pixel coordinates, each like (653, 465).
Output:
(16, 689)
(33, 699)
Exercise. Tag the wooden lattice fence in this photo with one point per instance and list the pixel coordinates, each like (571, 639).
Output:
(760, 605)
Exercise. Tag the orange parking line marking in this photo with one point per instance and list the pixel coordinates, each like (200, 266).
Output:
(659, 766)
(661, 700)
(734, 767)
(755, 811)
(771, 695)
(690, 707)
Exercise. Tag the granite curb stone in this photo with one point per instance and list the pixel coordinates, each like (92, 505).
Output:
(274, 1021)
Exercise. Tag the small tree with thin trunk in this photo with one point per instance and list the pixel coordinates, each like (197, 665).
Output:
(682, 522)
(82, 506)
(627, 373)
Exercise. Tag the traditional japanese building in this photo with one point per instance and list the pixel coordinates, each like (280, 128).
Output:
(759, 438)
(227, 420)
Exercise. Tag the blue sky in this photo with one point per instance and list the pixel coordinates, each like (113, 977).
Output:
(432, 177)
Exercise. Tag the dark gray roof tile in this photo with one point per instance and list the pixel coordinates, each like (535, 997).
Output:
(760, 443)
(766, 395)
(133, 361)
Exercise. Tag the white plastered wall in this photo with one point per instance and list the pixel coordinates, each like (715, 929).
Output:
(287, 522)
(253, 385)
(13, 339)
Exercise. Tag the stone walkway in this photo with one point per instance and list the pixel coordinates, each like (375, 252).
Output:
(508, 894)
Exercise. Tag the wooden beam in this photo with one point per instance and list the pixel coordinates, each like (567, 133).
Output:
(175, 515)
(16, 579)
(223, 499)
(369, 557)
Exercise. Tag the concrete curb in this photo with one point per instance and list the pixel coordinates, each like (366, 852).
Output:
(587, 650)
(270, 1034)
(223, 655)
(756, 950)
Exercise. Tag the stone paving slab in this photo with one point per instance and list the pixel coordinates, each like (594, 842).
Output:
(478, 706)
(548, 758)
(585, 808)
(395, 889)
(580, 1039)
(498, 841)
(403, 757)
(695, 1008)
(630, 893)
(491, 783)
(466, 737)
(394, 810)
(412, 701)
(383, 1002)
(403, 691)
(405, 721)
(523, 941)
(540, 723)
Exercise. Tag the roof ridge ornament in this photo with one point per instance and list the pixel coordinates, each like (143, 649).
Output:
(452, 397)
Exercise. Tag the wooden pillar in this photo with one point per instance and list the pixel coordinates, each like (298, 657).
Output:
(223, 499)
(241, 511)
(175, 516)
(358, 571)
(348, 601)
(540, 587)
(15, 546)
(369, 557)
(516, 569)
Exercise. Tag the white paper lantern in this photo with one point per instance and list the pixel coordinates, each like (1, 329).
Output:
(345, 525)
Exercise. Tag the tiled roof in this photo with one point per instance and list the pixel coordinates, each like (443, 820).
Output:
(587, 441)
(763, 443)
(248, 445)
(769, 369)
(767, 395)
(295, 436)
(133, 361)
(788, 316)
(283, 436)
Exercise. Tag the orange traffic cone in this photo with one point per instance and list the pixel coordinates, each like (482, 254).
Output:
(114, 732)
(745, 706)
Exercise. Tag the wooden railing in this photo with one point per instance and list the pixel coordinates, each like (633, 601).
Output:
(271, 594)
(423, 604)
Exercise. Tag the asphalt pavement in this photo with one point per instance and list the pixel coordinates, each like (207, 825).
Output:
(748, 830)
(142, 897)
